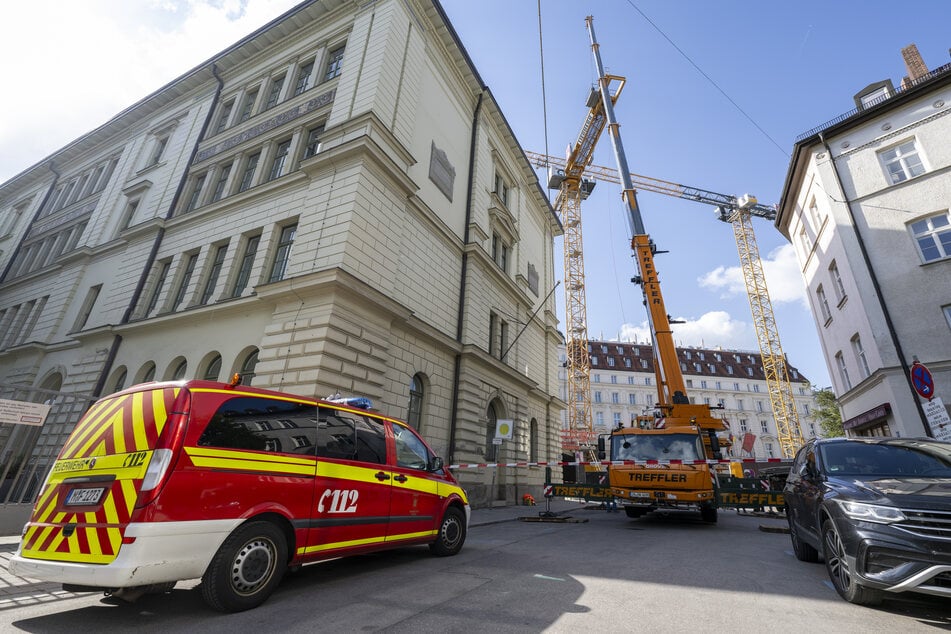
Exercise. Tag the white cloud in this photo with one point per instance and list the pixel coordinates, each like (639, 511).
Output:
(712, 329)
(74, 65)
(783, 279)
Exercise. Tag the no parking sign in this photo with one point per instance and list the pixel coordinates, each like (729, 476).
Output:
(922, 380)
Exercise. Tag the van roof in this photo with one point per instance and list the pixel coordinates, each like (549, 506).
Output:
(193, 384)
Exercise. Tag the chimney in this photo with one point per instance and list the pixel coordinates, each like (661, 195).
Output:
(913, 62)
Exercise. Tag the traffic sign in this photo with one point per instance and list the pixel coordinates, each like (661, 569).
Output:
(922, 380)
(938, 419)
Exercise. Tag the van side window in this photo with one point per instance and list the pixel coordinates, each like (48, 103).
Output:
(410, 450)
(336, 437)
(371, 440)
(262, 424)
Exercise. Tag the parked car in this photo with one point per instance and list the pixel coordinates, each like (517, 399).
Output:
(877, 510)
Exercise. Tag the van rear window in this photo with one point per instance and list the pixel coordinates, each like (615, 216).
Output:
(262, 424)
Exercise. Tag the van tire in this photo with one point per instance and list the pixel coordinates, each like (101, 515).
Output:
(452, 533)
(246, 569)
(708, 513)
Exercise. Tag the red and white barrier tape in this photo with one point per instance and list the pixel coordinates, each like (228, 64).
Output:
(607, 463)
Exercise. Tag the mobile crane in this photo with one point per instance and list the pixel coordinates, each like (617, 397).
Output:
(661, 462)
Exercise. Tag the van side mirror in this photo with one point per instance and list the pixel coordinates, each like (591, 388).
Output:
(436, 463)
(601, 450)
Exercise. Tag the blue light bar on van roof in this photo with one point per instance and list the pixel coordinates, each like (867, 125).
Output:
(354, 401)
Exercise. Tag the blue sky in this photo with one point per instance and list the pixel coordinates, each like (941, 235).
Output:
(788, 65)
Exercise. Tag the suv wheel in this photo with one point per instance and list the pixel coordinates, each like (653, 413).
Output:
(246, 569)
(842, 578)
(452, 533)
(802, 550)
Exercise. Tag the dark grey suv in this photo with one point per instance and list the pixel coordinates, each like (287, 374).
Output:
(878, 510)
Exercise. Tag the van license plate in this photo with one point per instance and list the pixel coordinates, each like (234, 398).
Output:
(78, 497)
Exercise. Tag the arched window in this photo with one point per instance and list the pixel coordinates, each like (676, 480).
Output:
(179, 372)
(533, 441)
(120, 377)
(247, 368)
(53, 382)
(213, 371)
(414, 412)
(147, 373)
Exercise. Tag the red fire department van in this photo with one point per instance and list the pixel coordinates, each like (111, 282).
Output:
(170, 481)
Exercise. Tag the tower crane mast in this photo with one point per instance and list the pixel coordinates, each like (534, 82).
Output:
(574, 188)
(738, 213)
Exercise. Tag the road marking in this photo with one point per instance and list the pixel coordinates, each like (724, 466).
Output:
(549, 578)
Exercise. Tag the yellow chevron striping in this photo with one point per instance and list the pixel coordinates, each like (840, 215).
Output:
(129, 495)
(90, 424)
(253, 465)
(115, 540)
(159, 411)
(414, 483)
(368, 540)
(97, 439)
(347, 544)
(349, 472)
(72, 556)
(111, 507)
(138, 421)
(92, 535)
(110, 464)
(210, 452)
(394, 538)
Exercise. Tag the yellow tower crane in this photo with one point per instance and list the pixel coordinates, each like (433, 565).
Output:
(573, 188)
(738, 213)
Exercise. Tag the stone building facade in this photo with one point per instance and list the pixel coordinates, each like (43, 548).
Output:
(334, 204)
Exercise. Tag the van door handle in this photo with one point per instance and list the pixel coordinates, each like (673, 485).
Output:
(399, 477)
(381, 476)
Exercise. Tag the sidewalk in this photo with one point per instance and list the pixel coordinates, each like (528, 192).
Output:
(17, 591)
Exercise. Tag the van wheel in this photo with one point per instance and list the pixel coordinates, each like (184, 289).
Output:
(633, 513)
(708, 513)
(246, 569)
(452, 533)
(833, 551)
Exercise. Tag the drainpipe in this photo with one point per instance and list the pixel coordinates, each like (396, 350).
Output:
(906, 370)
(159, 236)
(457, 367)
(36, 215)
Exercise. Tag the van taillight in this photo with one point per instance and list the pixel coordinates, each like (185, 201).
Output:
(163, 457)
(158, 466)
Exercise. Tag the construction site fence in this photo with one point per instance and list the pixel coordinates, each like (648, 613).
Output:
(607, 463)
(27, 452)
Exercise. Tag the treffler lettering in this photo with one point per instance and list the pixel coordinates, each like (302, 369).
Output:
(658, 477)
